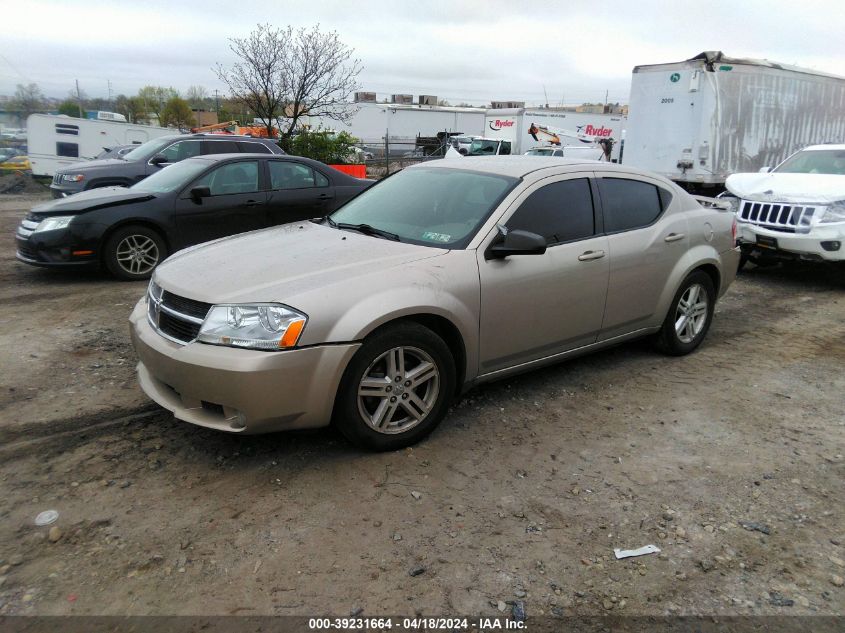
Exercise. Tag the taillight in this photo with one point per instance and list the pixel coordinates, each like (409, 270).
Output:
(733, 230)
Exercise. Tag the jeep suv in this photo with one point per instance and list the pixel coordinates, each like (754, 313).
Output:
(150, 157)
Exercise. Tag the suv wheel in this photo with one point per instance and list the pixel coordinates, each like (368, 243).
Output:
(132, 252)
(396, 389)
(690, 315)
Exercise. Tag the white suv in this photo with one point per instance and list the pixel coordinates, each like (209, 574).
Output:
(794, 211)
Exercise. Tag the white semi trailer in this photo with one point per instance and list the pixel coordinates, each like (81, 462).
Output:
(529, 128)
(700, 120)
(54, 141)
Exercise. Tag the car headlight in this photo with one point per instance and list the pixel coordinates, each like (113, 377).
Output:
(833, 213)
(267, 326)
(73, 177)
(53, 224)
(730, 199)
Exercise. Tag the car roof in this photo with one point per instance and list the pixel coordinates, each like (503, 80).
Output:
(518, 166)
(829, 146)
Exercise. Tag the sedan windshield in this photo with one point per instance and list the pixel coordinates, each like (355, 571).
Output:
(172, 177)
(428, 205)
(815, 161)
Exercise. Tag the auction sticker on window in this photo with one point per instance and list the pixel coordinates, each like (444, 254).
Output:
(436, 237)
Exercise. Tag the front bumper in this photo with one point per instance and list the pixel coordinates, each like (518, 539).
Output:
(59, 248)
(237, 390)
(806, 246)
(64, 190)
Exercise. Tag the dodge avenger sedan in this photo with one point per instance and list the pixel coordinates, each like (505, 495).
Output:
(443, 276)
(131, 230)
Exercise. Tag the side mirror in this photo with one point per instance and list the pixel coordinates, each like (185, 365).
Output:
(158, 159)
(765, 170)
(516, 242)
(198, 193)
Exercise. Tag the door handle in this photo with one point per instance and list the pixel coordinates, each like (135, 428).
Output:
(673, 237)
(253, 203)
(590, 255)
(323, 196)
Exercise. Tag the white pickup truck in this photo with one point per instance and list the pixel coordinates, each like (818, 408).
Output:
(794, 211)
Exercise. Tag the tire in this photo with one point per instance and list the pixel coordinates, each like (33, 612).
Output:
(677, 341)
(397, 414)
(132, 252)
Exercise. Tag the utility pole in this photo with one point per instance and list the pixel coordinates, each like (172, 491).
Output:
(217, 102)
(79, 100)
(605, 96)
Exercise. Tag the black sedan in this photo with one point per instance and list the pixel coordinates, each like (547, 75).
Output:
(131, 230)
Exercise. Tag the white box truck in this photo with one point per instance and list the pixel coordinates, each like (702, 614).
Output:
(578, 131)
(55, 141)
(700, 120)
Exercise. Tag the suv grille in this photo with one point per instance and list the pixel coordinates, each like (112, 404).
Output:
(789, 218)
(174, 317)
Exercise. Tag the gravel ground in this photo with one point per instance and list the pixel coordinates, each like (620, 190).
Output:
(729, 460)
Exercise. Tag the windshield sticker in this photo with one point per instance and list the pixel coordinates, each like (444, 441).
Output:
(436, 237)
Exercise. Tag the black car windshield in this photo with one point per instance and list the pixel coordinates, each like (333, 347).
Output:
(429, 205)
(815, 161)
(149, 149)
(172, 177)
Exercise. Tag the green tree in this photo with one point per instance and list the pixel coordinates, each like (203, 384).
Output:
(130, 107)
(69, 107)
(154, 98)
(176, 112)
(326, 147)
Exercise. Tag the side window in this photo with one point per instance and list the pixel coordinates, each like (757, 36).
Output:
(70, 150)
(220, 147)
(320, 180)
(287, 175)
(506, 148)
(560, 212)
(248, 147)
(181, 150)
(232, 178)
(628, 204)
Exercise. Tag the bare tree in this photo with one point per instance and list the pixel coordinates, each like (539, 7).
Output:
(320, 77)
(284, 74)
(196, 96)
(256, 80)
(28, 100)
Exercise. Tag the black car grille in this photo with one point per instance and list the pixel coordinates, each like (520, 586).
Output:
(26, 250)
(177, 328)
(184, 305)
(175, 317)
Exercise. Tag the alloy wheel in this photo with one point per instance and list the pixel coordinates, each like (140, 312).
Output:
(137, 254)
(691, 313)
(398, 390)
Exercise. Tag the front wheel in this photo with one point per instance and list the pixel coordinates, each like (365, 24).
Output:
(131, 253)
(690, 315)
(396, 389)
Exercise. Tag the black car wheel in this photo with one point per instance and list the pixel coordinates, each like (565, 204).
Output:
(396, 389)
(132, 252)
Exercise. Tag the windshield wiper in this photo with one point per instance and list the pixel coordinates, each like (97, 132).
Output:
(366, 229)
(328, 219)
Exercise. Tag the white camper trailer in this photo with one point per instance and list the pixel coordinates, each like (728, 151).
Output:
(54, 142)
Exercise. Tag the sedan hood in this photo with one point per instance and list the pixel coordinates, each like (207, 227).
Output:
(775, 187)
(90, 200)
(276, 264)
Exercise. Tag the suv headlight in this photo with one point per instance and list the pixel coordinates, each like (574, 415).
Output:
(834, 213)
(73, 177)
(52, 224)
(267, 326)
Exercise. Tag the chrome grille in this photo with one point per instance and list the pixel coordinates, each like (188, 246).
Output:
(57, 179)
(176, 318)
(789, 218)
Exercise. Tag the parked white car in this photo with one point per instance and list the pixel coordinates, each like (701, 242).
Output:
(794, 211)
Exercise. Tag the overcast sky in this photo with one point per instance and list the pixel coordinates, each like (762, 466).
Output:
(460, 50)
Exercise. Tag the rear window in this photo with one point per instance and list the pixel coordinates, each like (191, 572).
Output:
(629, 204)
(254, 148)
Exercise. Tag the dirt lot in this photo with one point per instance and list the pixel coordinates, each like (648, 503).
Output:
(729, 460)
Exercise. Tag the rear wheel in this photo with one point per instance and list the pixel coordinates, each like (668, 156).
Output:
(690, 315)
(132, 252)
(396, 389)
